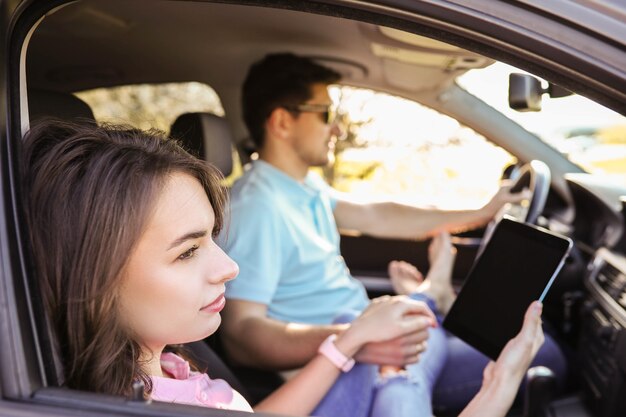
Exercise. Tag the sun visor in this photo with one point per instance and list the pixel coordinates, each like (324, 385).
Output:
(410, 77)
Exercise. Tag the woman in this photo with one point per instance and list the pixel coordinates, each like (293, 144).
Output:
(121, 222)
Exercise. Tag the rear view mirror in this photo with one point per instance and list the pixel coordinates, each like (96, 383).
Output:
(525, 92)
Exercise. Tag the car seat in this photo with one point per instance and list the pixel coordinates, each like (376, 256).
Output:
(209, 137)
(64, 106)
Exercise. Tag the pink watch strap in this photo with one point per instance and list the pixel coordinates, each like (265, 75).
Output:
(334, 355)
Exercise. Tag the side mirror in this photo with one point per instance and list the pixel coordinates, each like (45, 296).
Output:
(525, 92)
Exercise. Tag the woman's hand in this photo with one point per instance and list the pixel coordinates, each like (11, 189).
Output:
(501, 379)
(388, 318)
(519, 352)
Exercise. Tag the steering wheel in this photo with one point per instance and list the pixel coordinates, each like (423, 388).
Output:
(534, 176)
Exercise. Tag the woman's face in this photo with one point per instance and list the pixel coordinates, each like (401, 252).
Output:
(173, 285)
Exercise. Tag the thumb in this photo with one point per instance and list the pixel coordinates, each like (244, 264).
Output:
(532, 320)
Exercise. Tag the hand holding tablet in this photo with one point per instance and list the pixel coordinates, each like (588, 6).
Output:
(518, 265)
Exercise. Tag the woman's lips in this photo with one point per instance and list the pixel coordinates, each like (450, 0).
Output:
(216, 306)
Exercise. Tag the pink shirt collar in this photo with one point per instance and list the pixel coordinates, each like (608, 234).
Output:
(189, 387)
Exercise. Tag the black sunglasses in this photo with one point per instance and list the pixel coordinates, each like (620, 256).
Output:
(328, 115)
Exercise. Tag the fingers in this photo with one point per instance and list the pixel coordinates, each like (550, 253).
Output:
(396, 352)
(412, 352)
(404, 306)
(519, 351)
(507, 196)
(381, 299)
(416, 353)
(420, 323)
(532, 321)
(417, 314)
(532, 331)
(414, 339)
(391, 317)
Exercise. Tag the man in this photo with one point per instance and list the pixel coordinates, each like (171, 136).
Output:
(293, 282)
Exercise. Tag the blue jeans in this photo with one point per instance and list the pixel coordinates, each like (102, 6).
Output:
(363, 393)
(448, 375)
(462, 374)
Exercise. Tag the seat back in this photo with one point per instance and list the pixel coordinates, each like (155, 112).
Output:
(208, 137)
(64, 106)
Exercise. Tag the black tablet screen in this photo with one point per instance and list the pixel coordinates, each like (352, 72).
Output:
(515, 268)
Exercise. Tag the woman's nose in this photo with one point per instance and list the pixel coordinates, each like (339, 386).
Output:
(223, 269)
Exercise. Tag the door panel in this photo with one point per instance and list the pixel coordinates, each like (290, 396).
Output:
(368, 257)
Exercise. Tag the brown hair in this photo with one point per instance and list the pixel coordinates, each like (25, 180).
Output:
(89, 192)
(279, 80)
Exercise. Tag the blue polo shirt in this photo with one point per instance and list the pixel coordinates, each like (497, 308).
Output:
(283, 235)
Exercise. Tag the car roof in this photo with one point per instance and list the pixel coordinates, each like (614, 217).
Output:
(216, 43)
(94, 43)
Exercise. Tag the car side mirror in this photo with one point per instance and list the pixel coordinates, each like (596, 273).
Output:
(525, 92)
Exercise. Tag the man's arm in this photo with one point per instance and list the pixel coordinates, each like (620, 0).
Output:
(394, 220)
(253, 339)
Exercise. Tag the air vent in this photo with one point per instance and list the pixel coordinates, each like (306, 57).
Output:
(613, 282)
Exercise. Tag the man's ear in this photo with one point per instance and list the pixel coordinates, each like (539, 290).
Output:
(279, 124)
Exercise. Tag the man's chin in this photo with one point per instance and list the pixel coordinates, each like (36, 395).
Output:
(328, 159)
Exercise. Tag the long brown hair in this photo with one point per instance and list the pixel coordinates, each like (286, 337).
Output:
(89, 192)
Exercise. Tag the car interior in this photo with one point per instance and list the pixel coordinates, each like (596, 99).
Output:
(89, 44)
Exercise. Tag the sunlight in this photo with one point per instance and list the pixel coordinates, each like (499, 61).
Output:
(414, 154)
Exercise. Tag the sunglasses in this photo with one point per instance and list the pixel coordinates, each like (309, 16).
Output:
(328, 114)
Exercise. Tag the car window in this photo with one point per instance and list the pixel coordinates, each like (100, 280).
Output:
(587, 133)
(147, 106)
(396, 148)
(155, 106)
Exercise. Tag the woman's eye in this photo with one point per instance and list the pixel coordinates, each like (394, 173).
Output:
(188, 253)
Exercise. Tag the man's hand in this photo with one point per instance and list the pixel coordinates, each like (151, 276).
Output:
(502, 197)
(399, 352)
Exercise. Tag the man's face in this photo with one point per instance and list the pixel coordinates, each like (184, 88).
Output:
(313, 139)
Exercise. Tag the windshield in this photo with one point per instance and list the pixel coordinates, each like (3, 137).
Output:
(587, 133)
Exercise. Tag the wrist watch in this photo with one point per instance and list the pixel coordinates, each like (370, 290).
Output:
(334, 355)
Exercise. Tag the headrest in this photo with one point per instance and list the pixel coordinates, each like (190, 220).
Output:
(208, 136)
(64, 106)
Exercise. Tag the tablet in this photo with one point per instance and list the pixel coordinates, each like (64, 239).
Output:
(517, 266)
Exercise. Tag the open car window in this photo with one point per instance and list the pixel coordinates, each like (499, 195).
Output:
(414, 49)
(394, 148)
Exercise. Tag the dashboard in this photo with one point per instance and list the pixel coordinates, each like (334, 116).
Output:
(598, 230)
(603, 335)
(600, 213)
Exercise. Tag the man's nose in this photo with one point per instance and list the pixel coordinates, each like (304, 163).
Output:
(336, 130)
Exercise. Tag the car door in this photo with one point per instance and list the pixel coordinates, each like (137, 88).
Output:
(589, 60)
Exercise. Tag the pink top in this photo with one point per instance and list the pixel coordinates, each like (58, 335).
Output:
(187, 387)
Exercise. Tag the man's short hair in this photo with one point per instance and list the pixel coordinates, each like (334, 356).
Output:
(279, 80)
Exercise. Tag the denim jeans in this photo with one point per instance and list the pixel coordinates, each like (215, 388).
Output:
(362, 392)
(448, 376)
